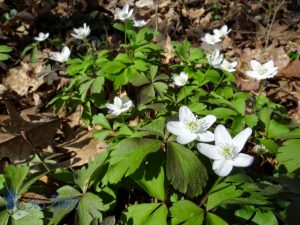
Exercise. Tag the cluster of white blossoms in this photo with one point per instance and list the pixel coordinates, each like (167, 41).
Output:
(81, 32)
(216, 59)
(225, 152)
(262, 71)
(62, 56)
(126, 13)
(214, 38)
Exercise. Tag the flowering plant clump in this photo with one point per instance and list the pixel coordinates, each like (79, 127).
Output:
(182, 144)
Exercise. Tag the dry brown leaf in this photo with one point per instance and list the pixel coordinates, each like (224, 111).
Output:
(292, 70)
(84, 148)
(27, 78)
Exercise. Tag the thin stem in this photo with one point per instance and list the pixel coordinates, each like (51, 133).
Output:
(272, 21)
(220, 81)
(261, 89)
(156, 17)
(204, 199)
(205, 74)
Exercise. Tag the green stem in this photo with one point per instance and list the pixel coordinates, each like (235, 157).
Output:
(215, 88)
(261, 89)
(204, 199)
(205, 74)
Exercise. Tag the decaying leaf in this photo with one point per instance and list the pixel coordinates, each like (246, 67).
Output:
(28, 78)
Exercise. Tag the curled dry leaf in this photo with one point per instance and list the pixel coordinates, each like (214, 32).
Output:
(27, 78)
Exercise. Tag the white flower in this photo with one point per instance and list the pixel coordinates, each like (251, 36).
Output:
(189, 127)
(62, 56)
(215, 59)
(211, 39)
(144, 3)
(226, 151)
(261, 149)
(228, 66)
(181, 79)
(123, 14)
(81, 32)
(222, 32)
(139, 23)
(262, 71)
(119, 106)
(41, 37)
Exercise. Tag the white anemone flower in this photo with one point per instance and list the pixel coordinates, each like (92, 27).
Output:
(228, 66)
(226, 151)
(42, 36)
(144, 3)
(190, 128)
(215, 59)
(262, 71)
(181, 79)
(211, 39)
(123, 14)
(81, 32)
(119, 106)
(62, 56)
(139, 23)
(221, 32)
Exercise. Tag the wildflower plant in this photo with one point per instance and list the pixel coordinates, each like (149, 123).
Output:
(169, 129)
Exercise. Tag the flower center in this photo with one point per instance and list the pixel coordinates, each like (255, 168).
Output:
(228, 151)
(261, 70)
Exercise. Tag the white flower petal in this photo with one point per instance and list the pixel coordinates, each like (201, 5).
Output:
(210, 151)
(207, 121)
(255, 64)
(269, 65)
(206, 136)
(254, 75)
(185, 139)
(222, 167)
(117, 101)
(110, 106)
(177, 128)
(222, 136)
(241, 138)
(243, 160)
(185, 114)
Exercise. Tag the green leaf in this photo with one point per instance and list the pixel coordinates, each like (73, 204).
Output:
(140, 65)
(119, 26)
(67, 199)
(151, 176)
(239, 105)
(213, 76)
(187, 213)
(89, 208)
(28, 182)
(213, 219)
(83, 177)
(184, 170)
(31, 215)
(257, 215)
(4, 57)
(84, 88)
(113, 67)
(185, 91)
(127, 156)
(277, 130)
(156, 127)
(288, 155)
(34, 54)
(147, 94)
(139, 80)
(4, 217)
(146, 214)
(101, 120)
(221, 193)
(97, 85)
(161, 88)
(14, 176)
(123, 58)
(223, 113)
(251, 120)
(101, 135)
(5, 48)
(197, 107)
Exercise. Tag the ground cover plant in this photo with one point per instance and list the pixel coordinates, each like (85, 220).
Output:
(183, 142)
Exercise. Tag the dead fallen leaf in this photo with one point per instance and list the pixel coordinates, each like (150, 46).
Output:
(291, 70)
